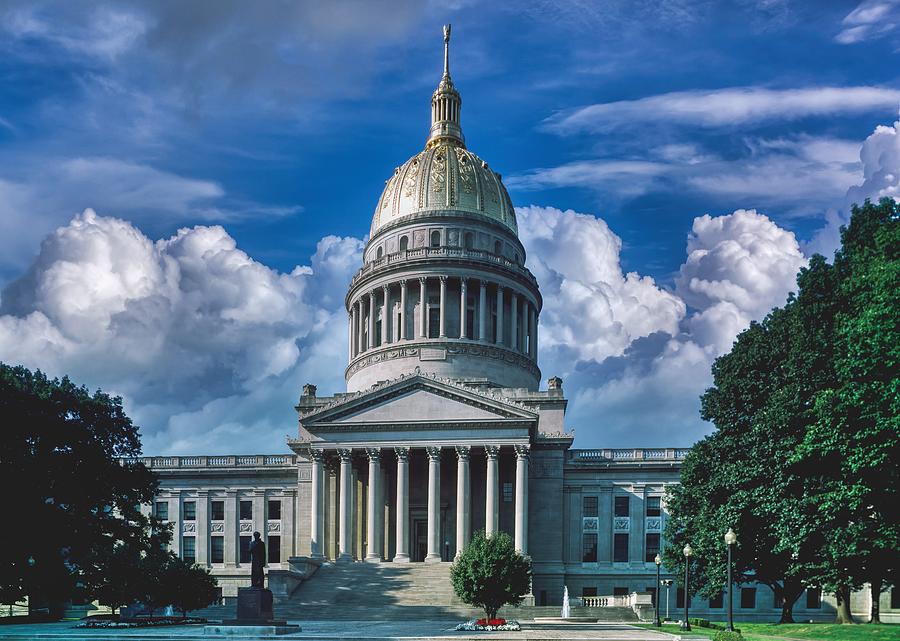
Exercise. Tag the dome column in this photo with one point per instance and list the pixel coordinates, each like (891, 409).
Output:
(384, 315)
(402, 328)
(482, 310)
(358, 309)
(371, 327)
(463, 300)
(534, 333)
(514, 321)
(423, 318)
(499, 315)
(443, 311)
(350, 336)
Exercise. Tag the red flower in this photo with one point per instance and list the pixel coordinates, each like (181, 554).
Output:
(490, 622)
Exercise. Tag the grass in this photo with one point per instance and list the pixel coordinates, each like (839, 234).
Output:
(800, 631)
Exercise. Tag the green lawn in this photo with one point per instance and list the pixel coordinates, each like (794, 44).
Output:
(801, 631)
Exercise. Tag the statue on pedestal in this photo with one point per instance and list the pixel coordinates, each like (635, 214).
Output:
(257, 561)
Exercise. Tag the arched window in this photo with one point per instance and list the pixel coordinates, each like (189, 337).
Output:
(435, 238)
(498, 247)
(404, 243)
(379, 253)
(469, 240)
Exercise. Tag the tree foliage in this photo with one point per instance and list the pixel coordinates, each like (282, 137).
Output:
(490, 573)
(803, 462)
(60, 459)
(188, 586)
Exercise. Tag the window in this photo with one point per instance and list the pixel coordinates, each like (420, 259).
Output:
(245, 549)
(588, 591)
(589, 506)
(274, 510)
(589, 548)
(620, 548)
(434, 319)
(273, 550)
(404, 243)
(679, 598)
(620, 591)
(218, 511)
(190, 510)
(516, 258)
(435, 238)
(379, 253)
(653, 506)
(777, 600)
(469, 240)
(652, 548)
(246, 510)
(543, 598)
(718, 601)
(498, 247)
(507, 492)
(217, 549)
(189, 549)
(813, 598)
(895, 598)
(162, 510)
(651, 590)
(748, 598)
(621, 506)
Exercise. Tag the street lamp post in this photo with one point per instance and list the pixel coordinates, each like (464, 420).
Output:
(668, 584)
(687, 551)
(730, 540)
(658, 562)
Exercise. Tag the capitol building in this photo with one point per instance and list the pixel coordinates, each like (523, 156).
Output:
(447, 425)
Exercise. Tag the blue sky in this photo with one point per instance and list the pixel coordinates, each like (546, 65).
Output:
(280, 121)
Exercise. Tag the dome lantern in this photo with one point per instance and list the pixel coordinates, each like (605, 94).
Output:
(445, 105)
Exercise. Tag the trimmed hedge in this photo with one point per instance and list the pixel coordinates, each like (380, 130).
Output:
(727, 635)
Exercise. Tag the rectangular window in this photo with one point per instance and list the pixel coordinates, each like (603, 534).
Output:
(748, 598)
(273, 550)
(653, 507)
(895, 598)
(189, 549)
(652, 592)
(652, 548)
(620, 591)
(621, 506)
(679, 598)
(190, 510)
(507, 492)
(245, 549)
(813, 598)
(589, 506)
(246, 510)
(589, 545)
(620, 548)
(217, 511)
(717, 601)
(434, 320)
(162, 510)
(217, 549)
(274, 510)
(588, 591)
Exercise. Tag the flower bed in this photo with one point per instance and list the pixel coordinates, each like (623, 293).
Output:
(118, 624)
(489, 625)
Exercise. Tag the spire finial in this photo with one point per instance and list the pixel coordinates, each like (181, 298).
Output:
(447, 49)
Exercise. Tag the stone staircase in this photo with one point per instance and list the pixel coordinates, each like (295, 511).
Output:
(393, 591)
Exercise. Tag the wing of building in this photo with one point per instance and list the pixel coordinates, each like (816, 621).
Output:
(444, 429)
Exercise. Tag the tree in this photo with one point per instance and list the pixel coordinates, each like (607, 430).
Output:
(189, 586)
(490, 573)
(60, 454)
(131, 572)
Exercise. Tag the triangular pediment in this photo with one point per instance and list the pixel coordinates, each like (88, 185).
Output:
(418, 400)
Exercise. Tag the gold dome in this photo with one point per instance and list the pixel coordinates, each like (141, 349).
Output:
(445, 176)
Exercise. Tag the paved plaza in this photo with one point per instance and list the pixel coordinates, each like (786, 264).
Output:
(322, 630)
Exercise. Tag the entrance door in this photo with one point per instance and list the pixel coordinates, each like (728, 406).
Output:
(420, 539)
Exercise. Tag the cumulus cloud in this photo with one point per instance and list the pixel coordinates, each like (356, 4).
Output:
(190, 330)
(723, 107)
(871, 19)
(635, 357)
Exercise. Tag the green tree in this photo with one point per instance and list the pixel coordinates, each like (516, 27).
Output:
(128, 573)
(60, 456)
(490, 573)
(189, 586)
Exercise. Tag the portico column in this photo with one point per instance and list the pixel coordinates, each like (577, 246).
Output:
(385, 319)
(316, 537)
(360, 334)
(463, 522)
(521, 535)
(403, 310)
(514, 321)
(482, 310)
(492, 496)
(499, 315)
(463, 298)
(344, 547)
(443, 325)
(423, 315)
(402, 555)
(373, 547)
(371, 319)
(434, 505)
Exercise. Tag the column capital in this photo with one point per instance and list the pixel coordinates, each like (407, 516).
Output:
(372, 293)
(492, 451)
(402, 282)
(422, 280)
(523, 451)
(443, 279)
(462, 452)
(316, 456)
(345, 454)
(385, 286)
(464, 280)
(374, 454)
(434, 453)
(402, 453)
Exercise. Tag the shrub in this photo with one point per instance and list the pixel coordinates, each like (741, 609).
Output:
(490, 573)
(727, 635)
(700, 623)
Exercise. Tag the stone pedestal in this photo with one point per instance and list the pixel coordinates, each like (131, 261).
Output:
(254, 604)
(254, 616)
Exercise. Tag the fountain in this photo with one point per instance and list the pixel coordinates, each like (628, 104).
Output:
(565, 608)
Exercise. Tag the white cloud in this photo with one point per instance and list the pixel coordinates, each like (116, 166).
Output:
(871, 19)
(623, 177)
(723, 107)
(192, 332)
